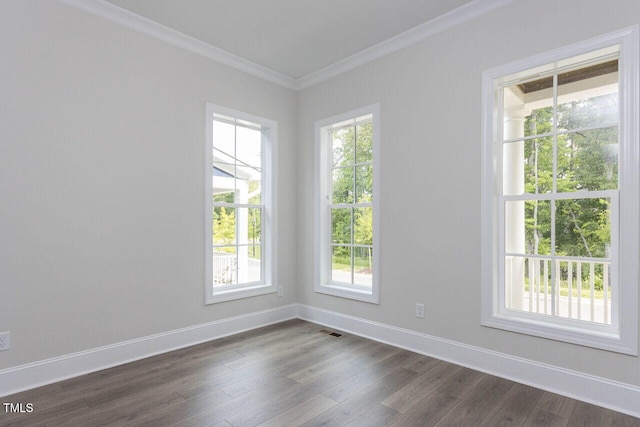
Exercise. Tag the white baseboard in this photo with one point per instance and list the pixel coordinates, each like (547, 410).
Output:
(588, 388)
(576, 385)
(24, 377)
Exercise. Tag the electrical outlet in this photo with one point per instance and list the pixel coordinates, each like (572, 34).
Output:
(5, 341)
(420, 311)
(280, 291)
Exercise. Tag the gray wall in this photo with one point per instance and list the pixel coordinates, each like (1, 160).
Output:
(430, 101)
(102, 181)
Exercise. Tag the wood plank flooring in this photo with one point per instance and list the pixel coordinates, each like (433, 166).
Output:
(295, 374)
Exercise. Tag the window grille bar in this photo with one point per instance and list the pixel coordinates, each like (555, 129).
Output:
(236, 245)
(351, 165)
(561, 132)
(555, 134)
(235, 164)
(556, 291)
(563, 258)
(592, 289)
(236, 205)
(236, 161)
(605, 289)
(346, 245)
(570, 289)
(598, 194)
(351, 205)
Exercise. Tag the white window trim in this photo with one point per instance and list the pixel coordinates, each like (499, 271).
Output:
(269, 244)
(323, 282)
(625, 338)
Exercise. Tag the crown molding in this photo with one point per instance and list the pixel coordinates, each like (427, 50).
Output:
(416, 34)
(151, 28)
(423, 31)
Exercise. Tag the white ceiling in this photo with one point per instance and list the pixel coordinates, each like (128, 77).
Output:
(294, 38)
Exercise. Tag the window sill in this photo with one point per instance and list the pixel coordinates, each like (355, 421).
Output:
(595, 337)
(233, 294)
(347, 292)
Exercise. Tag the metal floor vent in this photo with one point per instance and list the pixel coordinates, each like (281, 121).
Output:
(333, 334)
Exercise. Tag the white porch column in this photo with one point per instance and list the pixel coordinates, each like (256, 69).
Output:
(513, 183)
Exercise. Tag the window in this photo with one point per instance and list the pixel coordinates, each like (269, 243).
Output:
(560, 193)
(239, 215)
(347, 205)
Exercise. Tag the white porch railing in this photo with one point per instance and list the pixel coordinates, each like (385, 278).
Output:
(225, 268)
(580, 288)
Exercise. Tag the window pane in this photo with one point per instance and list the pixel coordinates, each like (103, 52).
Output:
(528, 167)
(249, 263)
(588, 160)
(341, 264)
(223, 140)
(224, 197)
(363, 266)
(513, 168)
(223, 177)
(528, 227)
(364, 143)
(249, 147)
(528, 284)
(514, 279)
(577, 289)
(363, 226)
(249, 225)
(341, 225)
(532, 97)
(255, 191)
(537, 221)
(254, 251)
(583, 227)
(364, 183)
(342, 147)
(224, 225)
(538, 165)
(255, 225)
(590, 112)
(342, 185)
(248, 184)
(225, 262)
(514, 242)
(588, 97)
(225, 158)
(248, 173)
(583, 290)
(540, 121)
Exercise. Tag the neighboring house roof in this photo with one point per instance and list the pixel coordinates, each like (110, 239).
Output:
(220, 172)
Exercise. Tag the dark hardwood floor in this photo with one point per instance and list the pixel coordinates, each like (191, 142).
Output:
(296, 373)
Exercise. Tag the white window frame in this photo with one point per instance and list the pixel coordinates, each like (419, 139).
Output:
(269, 220)
(323, 283)
(622, 335)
